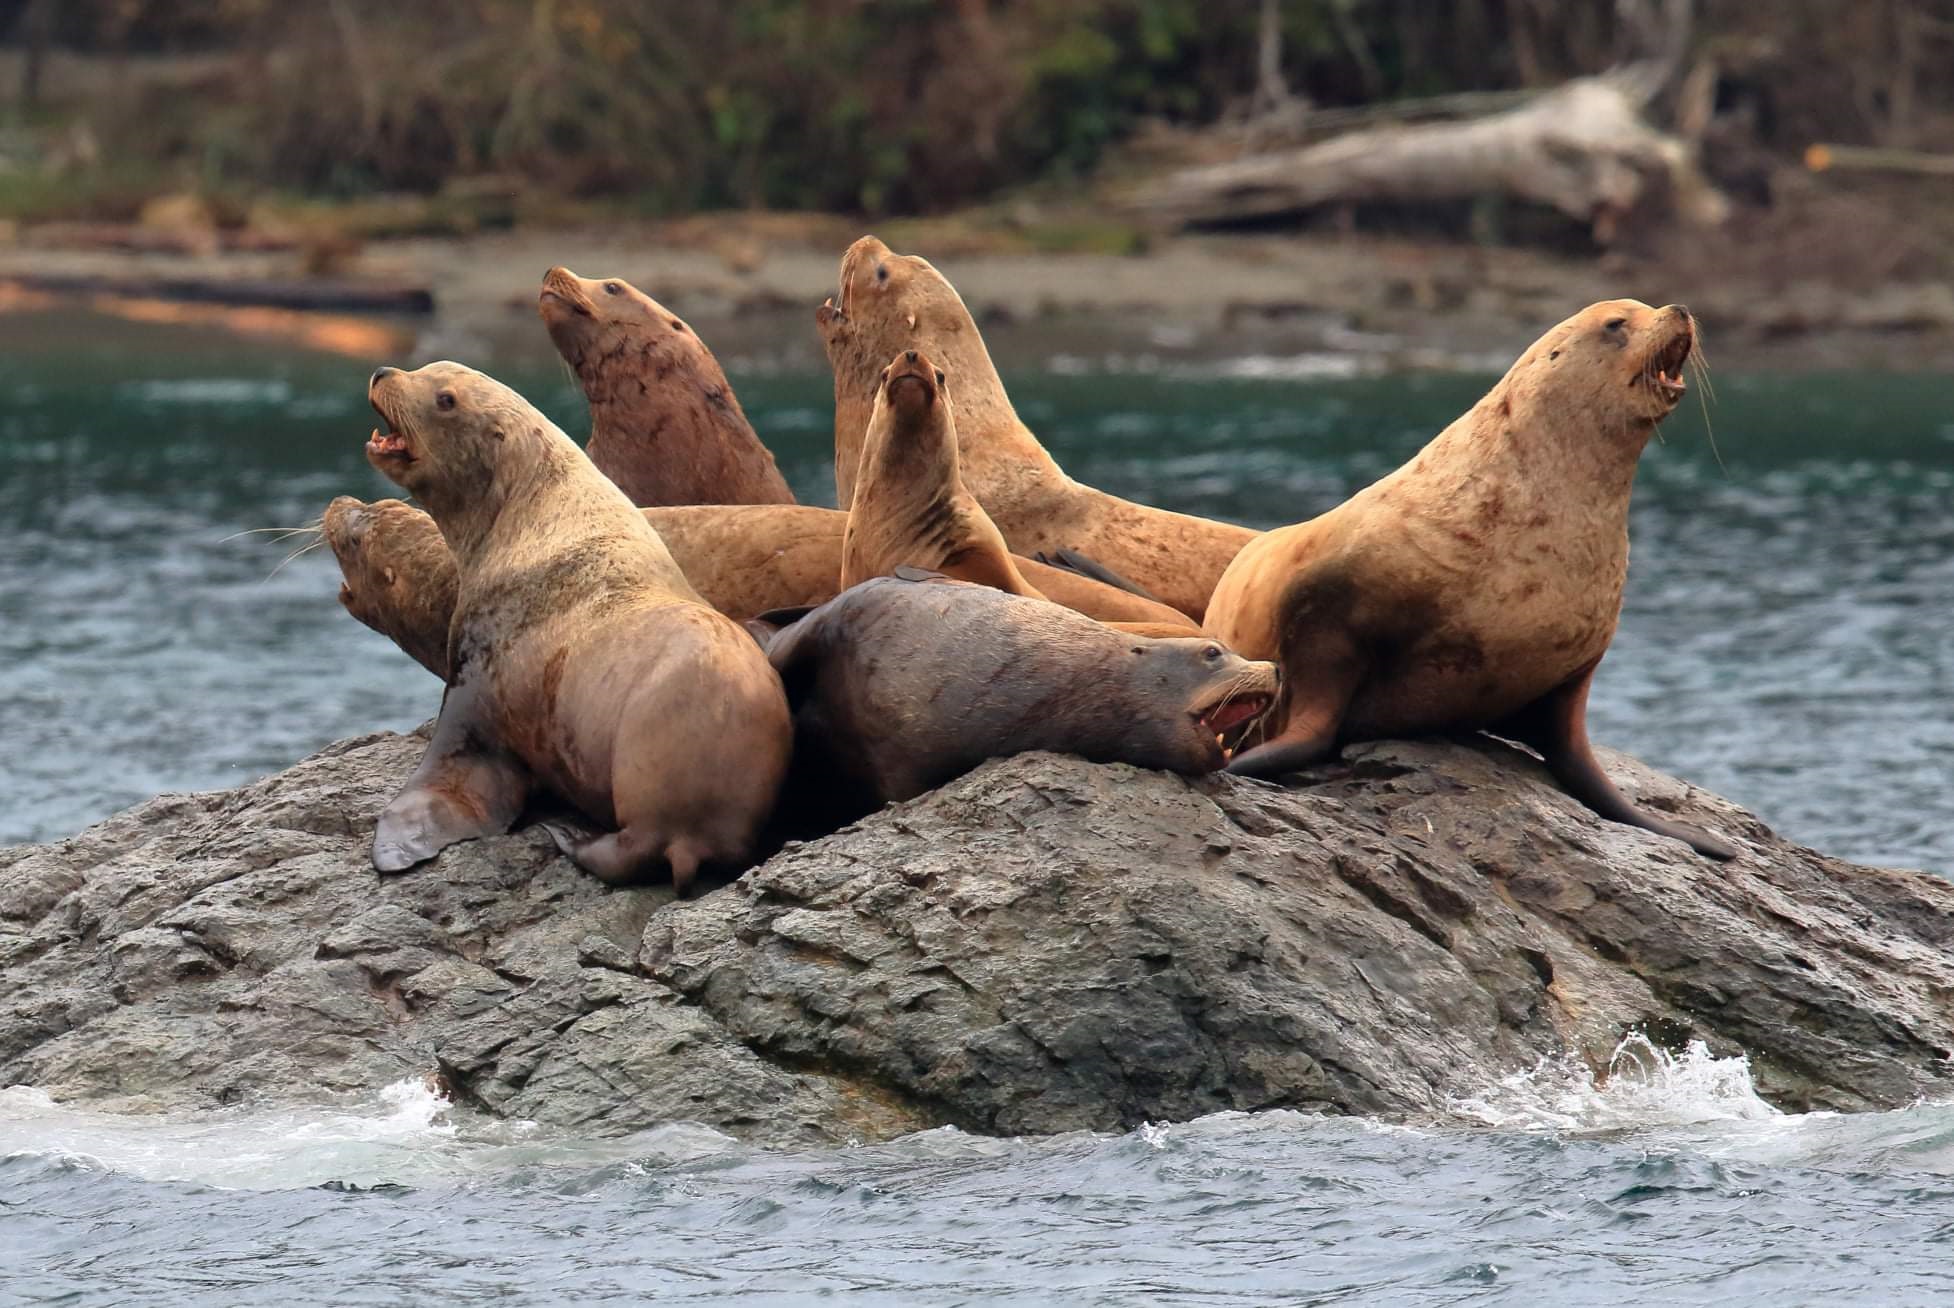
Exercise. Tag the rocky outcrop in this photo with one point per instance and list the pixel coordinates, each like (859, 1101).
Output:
(1043, 945)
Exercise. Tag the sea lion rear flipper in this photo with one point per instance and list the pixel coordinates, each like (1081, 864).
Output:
(1087, 566)
(1557, 726)
(465, 787)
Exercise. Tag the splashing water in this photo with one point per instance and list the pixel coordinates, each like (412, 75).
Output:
(1644, 1085)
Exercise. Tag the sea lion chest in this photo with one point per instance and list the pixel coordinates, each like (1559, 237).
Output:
(1504, 591)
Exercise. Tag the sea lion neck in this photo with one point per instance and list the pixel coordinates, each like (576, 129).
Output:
(526, 465)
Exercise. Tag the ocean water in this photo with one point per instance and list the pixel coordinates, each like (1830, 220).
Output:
(1672, 1184)
(1788, 641)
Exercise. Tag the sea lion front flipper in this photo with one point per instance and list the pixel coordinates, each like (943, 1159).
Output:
(1557, 726)
(1087, 566)
(1328, 669)
(466, 786)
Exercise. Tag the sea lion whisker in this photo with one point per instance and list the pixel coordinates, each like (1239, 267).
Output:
(306, 548)
(284, 533)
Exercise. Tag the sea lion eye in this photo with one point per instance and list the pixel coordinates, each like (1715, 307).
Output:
(1616, 324)
(1211, 653)
(445, 401)
(612, 288)
(881, 272)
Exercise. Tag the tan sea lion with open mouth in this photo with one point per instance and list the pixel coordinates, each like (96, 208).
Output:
(889, 303)
(970, 672)
(582, 663)
(664, 422)
(1479, 585)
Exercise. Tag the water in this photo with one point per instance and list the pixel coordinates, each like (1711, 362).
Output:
(1786, 642)
(1674, 1184)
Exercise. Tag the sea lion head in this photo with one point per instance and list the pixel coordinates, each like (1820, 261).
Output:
(1618, 357)
(883, 293)
(606, 326)
(446, 429)
(1221, 695)
(911, 387)
(397, 576)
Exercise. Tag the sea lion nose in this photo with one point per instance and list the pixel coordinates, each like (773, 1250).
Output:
(911, 356)
(380, 374)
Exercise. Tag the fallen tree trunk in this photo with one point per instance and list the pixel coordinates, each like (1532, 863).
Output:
(1582, 149)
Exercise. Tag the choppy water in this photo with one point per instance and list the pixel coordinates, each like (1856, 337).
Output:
(1674, 1185)
(1788, 641)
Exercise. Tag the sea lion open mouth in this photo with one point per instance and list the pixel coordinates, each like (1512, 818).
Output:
(386, 442)
(1665, 367)
(1229, 719)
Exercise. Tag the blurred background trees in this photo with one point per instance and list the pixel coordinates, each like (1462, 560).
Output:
(877, 106)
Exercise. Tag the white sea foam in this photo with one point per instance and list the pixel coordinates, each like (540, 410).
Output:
(406, 1135)
(1644, 1086)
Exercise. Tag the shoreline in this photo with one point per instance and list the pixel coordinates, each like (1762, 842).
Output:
(1295, 306)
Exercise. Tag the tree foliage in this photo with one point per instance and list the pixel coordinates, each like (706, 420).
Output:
(880, 105)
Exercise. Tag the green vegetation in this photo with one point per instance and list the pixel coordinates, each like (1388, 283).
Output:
(866, 106)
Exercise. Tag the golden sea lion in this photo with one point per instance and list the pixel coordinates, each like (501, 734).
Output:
(664, 423)
(582, 662)
(1479, 585)
(970, 672)
(910, 506)
(889, 303)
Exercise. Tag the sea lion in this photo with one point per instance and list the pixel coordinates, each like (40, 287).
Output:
(399, 574)
(582, 663)
(744, 559)
(910, 506)
(889, 303)
(903, 682)
(1479, 585)
(664, 423)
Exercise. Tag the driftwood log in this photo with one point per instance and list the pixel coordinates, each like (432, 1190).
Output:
(1583, 149)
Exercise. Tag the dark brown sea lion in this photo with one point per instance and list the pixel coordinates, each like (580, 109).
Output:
(744, 559)
(889, 303)
(665, 425)
(582, 663)
(910, 506)
(901, 683)
(1479, 585)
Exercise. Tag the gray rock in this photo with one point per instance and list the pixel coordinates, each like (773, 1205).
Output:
(1043, 945)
